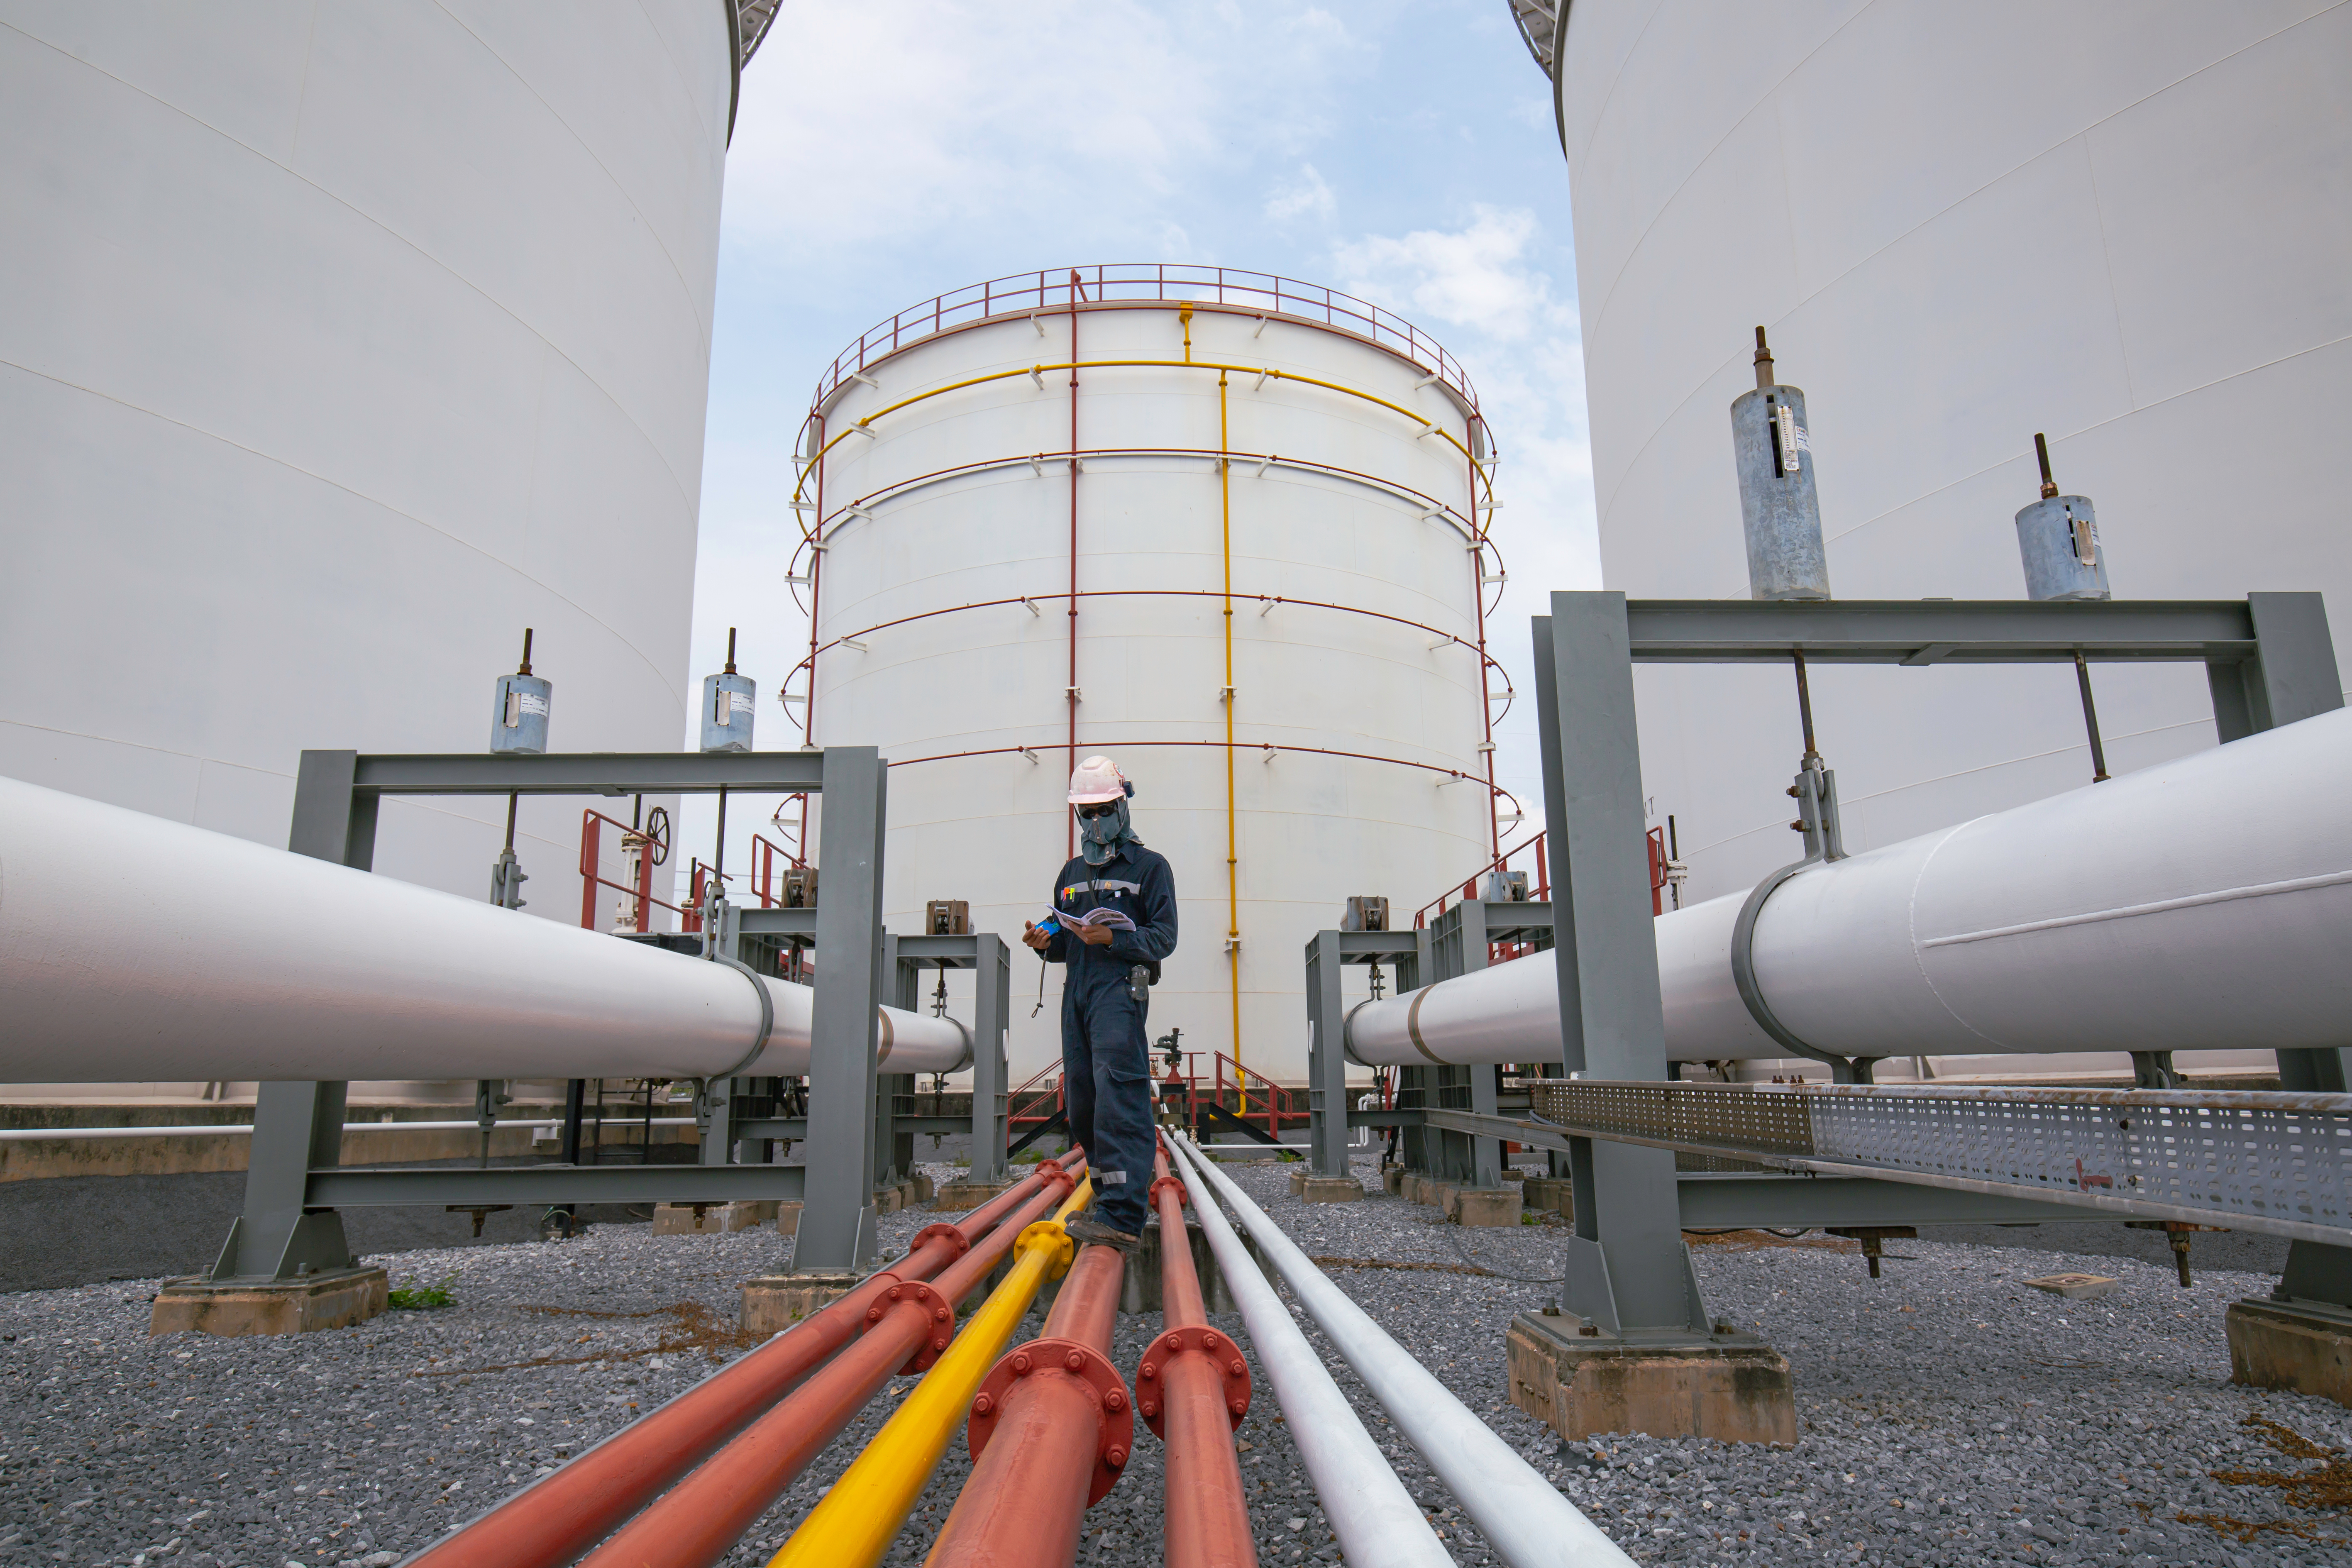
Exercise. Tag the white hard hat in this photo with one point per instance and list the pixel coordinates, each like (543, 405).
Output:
(1097, 781)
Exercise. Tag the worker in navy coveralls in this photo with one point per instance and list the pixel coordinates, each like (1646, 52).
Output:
(1106, 1060)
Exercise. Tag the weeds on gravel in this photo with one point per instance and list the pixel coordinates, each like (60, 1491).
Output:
(2328, 1489)
(693, 1327)
(415, 1297)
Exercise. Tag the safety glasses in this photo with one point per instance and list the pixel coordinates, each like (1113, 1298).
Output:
(1103, 809)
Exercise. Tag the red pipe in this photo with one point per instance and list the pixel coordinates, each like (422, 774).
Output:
(1192, 1389)
(700, 1520)
(554, 1520)
(1050, 1432)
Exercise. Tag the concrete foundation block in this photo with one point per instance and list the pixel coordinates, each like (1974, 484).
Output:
(2305, 1346)
(925, 1188)
(1439, 1195)
(1731, 1387)
(1330, 1189)
(889, 1200)
(335, 1299)
(1392, 1179)
(1547, 1193)
(958, 1196)
(787, 1216)
(1484, 1206)
(1298, 1184)
(775, 1302)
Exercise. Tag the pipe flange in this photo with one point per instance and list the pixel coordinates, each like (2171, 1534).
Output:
(1151, 1376)
(1081, 1364)
(1151, 1196)
(938, 1333)
(1049, 1233)
(955, 1239)
(1049, 1169)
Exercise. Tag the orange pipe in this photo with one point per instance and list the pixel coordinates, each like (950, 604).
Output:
(1194, 1387)
(552, 1521)
(700, 1520)
(1050, 1432)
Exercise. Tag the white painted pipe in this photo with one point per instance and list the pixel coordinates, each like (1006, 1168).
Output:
(135, 949)
(1522, 1515)
(2204, 902)
(1377, 1522)
(240, 1128)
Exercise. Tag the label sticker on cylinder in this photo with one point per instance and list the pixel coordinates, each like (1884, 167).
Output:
(531, 703)
(1792, 438)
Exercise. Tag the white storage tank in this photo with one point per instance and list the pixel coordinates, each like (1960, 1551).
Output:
(351, 341)
(2122, 223)
(346, 342)
(1320, 459)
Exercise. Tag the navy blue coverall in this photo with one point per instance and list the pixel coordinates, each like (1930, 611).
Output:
(1105, 1054)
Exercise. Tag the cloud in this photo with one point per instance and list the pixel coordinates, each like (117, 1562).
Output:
(893, 122)
(1477, 276)
(1307, 194)
(1523, 343)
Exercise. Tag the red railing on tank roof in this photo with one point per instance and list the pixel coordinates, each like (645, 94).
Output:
(1146, 282)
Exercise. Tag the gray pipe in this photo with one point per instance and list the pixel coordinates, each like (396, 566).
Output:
(1522, 1516)
(1376, 1519)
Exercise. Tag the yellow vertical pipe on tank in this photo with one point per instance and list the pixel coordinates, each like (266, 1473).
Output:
(1232, 863)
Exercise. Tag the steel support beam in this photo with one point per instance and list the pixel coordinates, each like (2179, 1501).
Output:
(1327, 1057)
(1944, 631)
(1626, 1265)
(347, 1187)
(609, 773)
(837, 1223)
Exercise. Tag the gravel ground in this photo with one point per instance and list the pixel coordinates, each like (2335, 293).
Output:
(1948, 1415)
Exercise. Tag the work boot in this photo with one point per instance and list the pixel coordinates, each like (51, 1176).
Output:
(1094, 1233)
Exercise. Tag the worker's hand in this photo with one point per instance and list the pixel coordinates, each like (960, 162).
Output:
(1095, 936)
(1033, 937)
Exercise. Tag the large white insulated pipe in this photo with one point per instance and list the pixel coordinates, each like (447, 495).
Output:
(132, 947)
(2203, 903)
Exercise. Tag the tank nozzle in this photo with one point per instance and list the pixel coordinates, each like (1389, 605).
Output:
(526, 652)
(2041, 454)
(1763, 360)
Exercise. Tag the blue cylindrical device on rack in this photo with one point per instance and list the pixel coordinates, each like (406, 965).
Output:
(1778, 509)
(518, 719)
(727, 700)
(2058, 538)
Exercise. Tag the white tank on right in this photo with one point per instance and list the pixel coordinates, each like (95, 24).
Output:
(2126, 225)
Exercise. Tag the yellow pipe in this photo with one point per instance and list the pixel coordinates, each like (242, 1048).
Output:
(855, 1523)
(1266, 371)
(1233, 874)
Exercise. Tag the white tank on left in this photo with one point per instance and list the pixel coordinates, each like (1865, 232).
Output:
(345, 343)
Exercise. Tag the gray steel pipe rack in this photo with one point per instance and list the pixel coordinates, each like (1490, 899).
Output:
(2269, 660)
(289, 1225)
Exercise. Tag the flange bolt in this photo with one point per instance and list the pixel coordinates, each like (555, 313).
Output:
(983, 1404)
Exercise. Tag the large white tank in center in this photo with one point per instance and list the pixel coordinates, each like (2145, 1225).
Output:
(1022, 564)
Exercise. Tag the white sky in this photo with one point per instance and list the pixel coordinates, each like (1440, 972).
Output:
(885, 151)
